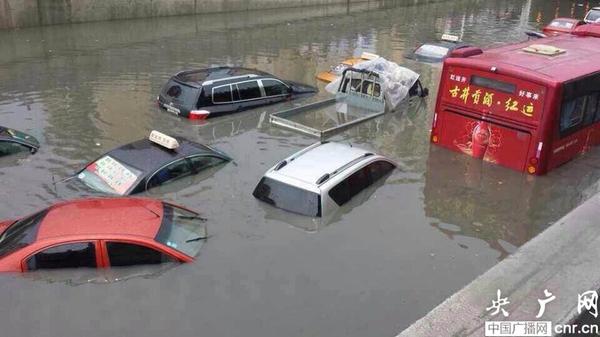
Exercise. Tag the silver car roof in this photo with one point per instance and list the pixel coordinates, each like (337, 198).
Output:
(314, 162)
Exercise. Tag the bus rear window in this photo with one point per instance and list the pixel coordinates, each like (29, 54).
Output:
(493, 84)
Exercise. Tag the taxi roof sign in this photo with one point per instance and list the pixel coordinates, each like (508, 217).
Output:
(450, 38)
(163, 140)
(544, 49)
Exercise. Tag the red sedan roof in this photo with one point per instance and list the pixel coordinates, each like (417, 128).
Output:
(99, 216)
(579, 59)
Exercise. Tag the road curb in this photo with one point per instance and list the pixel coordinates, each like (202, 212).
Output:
(562, 259)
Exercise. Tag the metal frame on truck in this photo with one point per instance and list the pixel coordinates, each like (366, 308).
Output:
(359, 88)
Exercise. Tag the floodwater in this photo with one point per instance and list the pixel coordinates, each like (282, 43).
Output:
(369, 270)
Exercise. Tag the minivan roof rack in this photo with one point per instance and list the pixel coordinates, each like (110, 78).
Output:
(328, 176)
(210, 82)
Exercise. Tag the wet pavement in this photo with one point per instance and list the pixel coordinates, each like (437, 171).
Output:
(379, 264)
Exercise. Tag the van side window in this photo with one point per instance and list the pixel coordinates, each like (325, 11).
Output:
(71, 255)
(249, 90)
(351, 186)
(274, 88)
(379, 169)
(222, 94)
(358, 181)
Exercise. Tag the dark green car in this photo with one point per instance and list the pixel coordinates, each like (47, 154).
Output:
(13, 141)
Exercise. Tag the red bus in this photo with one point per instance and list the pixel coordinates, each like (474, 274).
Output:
(530, 106)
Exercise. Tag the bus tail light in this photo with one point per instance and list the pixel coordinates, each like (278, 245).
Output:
(532, 167)
(199, 114)
(435, 138)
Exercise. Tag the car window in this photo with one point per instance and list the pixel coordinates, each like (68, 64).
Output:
(71, 255)
(20, 234)
(371, 88)
(288, 197)
(122, 254)
(203, 162)
(593, 16)
(562, 24)
(222, 94)
(354, 85)
(249, 90)
(173, 171)
(351, 186)
(358, 181)
(182, 230)
(379, 169)
(7, 147)
(184, 94)
(110, 175)
(274, 88)
(571, 115)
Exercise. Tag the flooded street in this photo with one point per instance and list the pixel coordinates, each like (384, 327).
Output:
(373, 268)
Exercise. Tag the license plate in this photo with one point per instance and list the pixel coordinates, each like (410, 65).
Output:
(173, 110)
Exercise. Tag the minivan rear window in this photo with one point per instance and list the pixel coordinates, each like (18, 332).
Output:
(288, 197)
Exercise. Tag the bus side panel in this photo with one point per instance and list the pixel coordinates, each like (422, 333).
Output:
(485, 140)
(565, 149)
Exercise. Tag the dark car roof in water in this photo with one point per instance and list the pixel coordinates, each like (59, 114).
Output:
(198, 76)
(7, 134)
(147, 156)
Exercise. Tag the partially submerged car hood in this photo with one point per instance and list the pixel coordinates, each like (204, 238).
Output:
(299, 88)
(19, 137)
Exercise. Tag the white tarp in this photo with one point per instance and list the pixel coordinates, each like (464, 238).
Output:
(397, 80)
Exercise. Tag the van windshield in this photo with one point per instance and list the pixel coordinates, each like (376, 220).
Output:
(288, 197)
(180, 93)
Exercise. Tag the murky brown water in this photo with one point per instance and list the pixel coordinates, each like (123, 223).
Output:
(375, 268)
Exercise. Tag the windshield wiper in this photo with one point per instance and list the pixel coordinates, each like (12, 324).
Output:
(197, 239)
(187, 217)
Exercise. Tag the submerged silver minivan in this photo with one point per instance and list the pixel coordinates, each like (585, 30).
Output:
(320, 178)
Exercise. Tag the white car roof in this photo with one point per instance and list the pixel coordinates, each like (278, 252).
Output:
(317, 161)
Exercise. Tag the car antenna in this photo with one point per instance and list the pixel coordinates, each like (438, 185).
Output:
(64, 180)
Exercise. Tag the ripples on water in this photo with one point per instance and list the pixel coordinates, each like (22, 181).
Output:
(433, 226)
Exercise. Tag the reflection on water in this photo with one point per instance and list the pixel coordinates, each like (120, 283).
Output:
(434, 225)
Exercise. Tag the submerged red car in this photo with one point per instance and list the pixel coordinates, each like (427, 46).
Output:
(101, 232)
(562, 26)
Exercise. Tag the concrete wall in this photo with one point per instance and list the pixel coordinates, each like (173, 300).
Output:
(27, 13)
